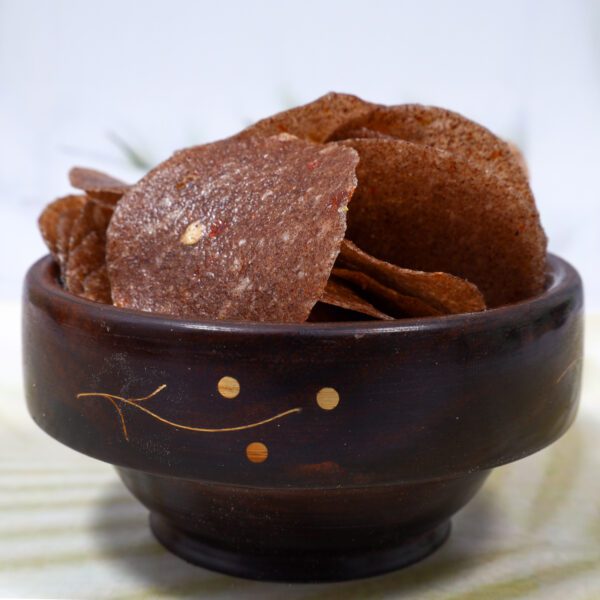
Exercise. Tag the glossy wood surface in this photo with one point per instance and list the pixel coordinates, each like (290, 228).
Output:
(368, 435)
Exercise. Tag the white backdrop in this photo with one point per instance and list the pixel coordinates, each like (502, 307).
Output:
(78, 76)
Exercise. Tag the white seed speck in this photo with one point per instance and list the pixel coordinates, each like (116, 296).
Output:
(286, 137)
(241, 286)
(194, 231)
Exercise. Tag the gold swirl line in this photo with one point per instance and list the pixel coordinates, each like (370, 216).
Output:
(121, 417)
(157, 391)
(133, 402)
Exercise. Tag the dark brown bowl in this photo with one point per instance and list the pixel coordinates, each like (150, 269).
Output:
(286, 481)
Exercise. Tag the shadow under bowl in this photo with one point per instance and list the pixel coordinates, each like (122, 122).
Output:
(303, 452)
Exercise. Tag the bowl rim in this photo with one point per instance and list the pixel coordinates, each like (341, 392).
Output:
(49, 309)
(42, 282)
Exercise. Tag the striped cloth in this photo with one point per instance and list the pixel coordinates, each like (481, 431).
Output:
(69, 529)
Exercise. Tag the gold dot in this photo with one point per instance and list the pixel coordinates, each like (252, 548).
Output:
(228, 387)
(328, 398)
(257, 452)
(192, 234)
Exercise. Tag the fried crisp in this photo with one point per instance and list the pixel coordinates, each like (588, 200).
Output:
(85, 273)
(425, 209)
(315, 121)
(444, 292)
(253, 227)
(242, 229)
(382, 297)
(366, 133)
(339, 294)
(443, 129)
(96, 285)
(327, 313)
(98, 185)
(519, 157)
(55, 224)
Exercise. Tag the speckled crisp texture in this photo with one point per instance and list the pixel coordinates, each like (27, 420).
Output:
(85, 272)
(315, 121)
(338, 293)
(98, 185)
(55, 225)
(446, 293)
(242, 229)
(424, 208)
(385, 298)
(440, 128)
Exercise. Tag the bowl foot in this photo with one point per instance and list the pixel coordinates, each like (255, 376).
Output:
(305, 567)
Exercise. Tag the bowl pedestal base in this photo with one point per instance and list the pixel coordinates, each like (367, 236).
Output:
(306, 567)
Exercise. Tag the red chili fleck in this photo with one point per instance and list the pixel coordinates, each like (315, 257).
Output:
(336, 200)
(215, 230)
(312, 164)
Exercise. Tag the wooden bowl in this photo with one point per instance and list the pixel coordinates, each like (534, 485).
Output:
(306, 452)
